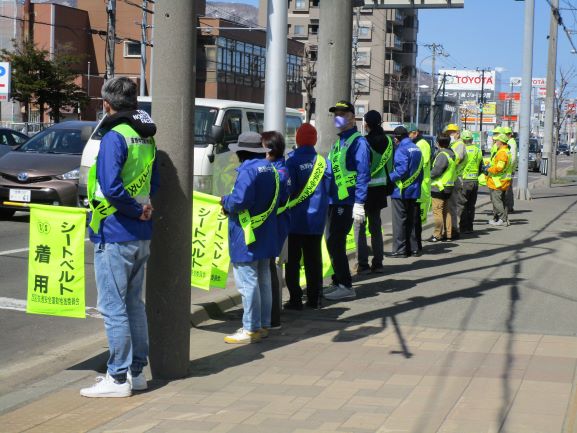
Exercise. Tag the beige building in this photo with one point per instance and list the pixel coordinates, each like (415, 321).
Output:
(386, 55)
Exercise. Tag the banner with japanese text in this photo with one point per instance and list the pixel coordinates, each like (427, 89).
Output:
(205, 212)
(56, 276)
(221, 256)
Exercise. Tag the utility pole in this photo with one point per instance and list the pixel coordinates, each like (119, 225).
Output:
(168, 275)
(436, 49)
(276, 58)
(143, 45)
(522, 192)
(110, 38)
(481, 104)
(355, 56)
(334, 66)
(548, 148)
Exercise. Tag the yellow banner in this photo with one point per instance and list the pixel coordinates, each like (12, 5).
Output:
(327, 266)
(205, 211)
(56, 283)
(221, 257)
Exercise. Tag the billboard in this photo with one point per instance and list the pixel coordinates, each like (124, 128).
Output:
(469, 112)
(536, 82)
(4, 81)
(467, 79)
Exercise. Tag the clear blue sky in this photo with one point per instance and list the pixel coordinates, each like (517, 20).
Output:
(489, 33)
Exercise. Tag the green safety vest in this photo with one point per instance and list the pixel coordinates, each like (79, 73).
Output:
(482, 177)
(494, 149)
(513, 153)
(460, 163)
(449, 176)
(250, 223)
(506, 174)
(344, 178)
(381, 164)
(312, 183)
(408, 182)
(135, 175)
(474, 157)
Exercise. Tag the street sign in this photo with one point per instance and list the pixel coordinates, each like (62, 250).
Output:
(4, 81)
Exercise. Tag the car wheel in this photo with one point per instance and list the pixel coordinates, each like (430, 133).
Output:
(6, 213)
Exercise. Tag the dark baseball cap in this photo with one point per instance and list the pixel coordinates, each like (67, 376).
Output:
(343, 106)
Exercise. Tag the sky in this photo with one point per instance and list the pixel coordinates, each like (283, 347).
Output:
(489, 34)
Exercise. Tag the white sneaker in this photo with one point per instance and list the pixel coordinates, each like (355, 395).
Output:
(242, 336)
(341, 292)
(107, 387)
(492, 222)
(499, 223)
(137, 383)
(330, 289)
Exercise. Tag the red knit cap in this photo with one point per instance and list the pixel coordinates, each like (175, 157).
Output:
(306, 135)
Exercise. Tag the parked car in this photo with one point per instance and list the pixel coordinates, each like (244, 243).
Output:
(563, 148)
(45, 169)
(10, 139)
(535, 154)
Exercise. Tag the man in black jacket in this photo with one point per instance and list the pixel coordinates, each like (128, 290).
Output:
(381, 164)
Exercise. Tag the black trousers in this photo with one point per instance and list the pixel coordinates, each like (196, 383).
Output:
(309, 248)
(405, 214)
(469, 191)
(340, 222)
(276, 295)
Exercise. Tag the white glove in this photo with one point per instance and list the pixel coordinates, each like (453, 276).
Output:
(359, 213)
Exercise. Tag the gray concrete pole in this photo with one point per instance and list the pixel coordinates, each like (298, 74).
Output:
(143, 46)
(276, 61)
(432, 111)
(550, 91)
(522, 192)
(334, 66)
(168, 273)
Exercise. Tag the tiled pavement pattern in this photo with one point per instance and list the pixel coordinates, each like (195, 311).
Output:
(475, 337)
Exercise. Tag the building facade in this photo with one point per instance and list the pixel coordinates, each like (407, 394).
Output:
(385, 52)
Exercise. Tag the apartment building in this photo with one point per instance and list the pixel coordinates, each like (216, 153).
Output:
(386, 52)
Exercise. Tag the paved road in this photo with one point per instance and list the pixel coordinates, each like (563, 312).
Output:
(30, 341)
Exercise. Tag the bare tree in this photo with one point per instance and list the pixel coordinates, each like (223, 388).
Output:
(561, 113)
(406, 95)
(310, 81)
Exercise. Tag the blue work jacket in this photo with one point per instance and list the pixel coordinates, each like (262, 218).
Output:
(284, 219)
(358, 159)
(308, 217)
(253, 191)
(124, 225)
(407, 158)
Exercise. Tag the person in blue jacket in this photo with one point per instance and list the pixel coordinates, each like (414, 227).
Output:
(407, 175)
(122, 239)
(274, 141)
(310, 184)
(255, 195)
(350, 163)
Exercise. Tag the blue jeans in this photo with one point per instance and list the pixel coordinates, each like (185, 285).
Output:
(119, 269)
(254, 284)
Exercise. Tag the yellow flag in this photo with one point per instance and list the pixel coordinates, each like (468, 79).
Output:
(56, 283)
(205, 211)
(327, 267)
(221, 257)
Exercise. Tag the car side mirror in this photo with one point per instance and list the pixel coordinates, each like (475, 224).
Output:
(217, 134)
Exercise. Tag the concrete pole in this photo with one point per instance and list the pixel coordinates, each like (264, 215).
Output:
(276, 61)
(168, 274)
(433, 90)
(334, 66)
(550, 91)
(522, 192)
(110, 38)
(143, 46)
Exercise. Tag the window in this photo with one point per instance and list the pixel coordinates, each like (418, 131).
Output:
(232, 125)
(255, 121)
(313, 29)
(131, 49)
(364, 57)
(300, 4)
(299, 30)
(292, 124)
(362, 85)
(361, 107)
(364, 30)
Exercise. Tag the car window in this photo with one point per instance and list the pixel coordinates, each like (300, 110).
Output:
(204, 118)
(67, 141)
(232, 125)
(5, 138)
(255, 121)
(18, 139)
(292, 124)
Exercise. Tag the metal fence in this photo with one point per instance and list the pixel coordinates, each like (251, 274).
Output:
(28, 128)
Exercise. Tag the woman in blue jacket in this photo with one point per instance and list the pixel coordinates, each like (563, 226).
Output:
(310, 183)
(251, 207)
(274, 141)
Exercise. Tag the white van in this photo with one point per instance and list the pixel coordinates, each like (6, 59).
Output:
(217, 123)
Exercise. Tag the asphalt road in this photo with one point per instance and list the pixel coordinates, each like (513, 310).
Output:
(32, 345)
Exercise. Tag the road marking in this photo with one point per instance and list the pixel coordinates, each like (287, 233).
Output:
(21, 250)
(20, 305)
